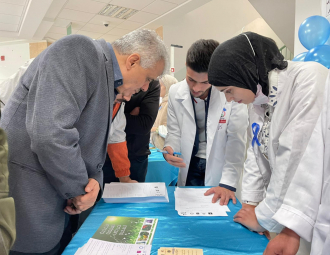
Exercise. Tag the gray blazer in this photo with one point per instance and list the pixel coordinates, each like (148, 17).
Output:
(57, 123)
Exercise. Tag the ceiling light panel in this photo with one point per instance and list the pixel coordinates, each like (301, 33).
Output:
(118, 12)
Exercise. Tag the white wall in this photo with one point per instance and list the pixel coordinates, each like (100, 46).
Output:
(304, 9)
(16, 54)
(219, 20)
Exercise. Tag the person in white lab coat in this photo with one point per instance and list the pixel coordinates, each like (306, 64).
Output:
(281, 180)
(321, 234)
(209, 132)
(8, 86)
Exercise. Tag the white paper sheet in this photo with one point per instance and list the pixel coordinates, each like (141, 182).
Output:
(193, 202)
(98, 247)
(117, 192)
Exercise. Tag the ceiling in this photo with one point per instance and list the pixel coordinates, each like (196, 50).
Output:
(280, 16)
(48, 19)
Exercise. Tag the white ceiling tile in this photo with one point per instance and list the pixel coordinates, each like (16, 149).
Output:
(11, 9)
(75, 15)
(85, 6)
(159, 7)
(176, 1)
(57, 30)
(18, 2)
(98, 20)
(103, 1)
(55, 8)
(8, 27)
(119, 32)
(129, 25)
(143, 17)
(9, 19)
(89, 34)
(134, 4)
(109, 38)
(54, 36)
(97, 28)
(66, 22)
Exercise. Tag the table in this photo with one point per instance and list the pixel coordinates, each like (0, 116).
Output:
(161, 171)
(215, 235)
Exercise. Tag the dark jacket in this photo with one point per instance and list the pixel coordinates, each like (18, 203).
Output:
(138, 127)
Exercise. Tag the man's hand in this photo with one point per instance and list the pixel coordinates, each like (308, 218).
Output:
(174, 161)
(70, 208)
(135, 111)
(224, 194)
(285, 243)
(83, 202)
(126, 179)
(247, 217)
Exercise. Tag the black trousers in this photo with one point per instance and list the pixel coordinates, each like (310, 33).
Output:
(139, 168)
(196, 172)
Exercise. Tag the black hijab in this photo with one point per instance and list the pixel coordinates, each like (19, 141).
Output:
(233, 62)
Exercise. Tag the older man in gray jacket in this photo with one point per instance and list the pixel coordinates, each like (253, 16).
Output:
(58, 122)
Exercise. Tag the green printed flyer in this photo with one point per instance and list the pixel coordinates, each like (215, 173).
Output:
(127, 230)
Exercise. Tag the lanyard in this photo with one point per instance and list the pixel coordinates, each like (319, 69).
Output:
(207, 104)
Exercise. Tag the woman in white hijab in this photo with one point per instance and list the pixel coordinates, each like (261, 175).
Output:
(159, 130)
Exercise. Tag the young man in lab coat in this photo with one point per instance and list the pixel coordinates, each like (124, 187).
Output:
(209, 132)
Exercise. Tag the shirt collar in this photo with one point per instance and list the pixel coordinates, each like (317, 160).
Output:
(118, 77)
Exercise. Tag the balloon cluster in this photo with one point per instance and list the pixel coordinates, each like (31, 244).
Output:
(314, 35)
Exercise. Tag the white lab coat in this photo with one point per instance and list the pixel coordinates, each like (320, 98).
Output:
(321, 234)
(288, 184)
(8, 86)
(226, 142)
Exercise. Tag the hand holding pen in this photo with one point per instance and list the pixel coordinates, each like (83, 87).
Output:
(170, 157)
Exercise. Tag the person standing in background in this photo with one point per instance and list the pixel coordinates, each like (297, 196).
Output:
(209, 132)
(159, 130)
(7, 205)
(140, 112)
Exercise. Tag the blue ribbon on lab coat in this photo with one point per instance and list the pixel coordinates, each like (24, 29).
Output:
(255, 131)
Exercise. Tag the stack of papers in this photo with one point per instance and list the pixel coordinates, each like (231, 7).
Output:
(121, 236)
(179, 251)
(117, 192)
(192, 202)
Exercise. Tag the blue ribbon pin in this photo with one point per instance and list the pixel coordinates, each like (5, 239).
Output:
(255, 131)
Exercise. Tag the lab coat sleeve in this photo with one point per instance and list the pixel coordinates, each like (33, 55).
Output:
(292, 197)
(253, 186)
(173, 138)
(235, 146)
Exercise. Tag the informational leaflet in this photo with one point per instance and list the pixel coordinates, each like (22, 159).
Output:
(117, 192)
(121, 236)
(179, 251)
(193, 202)
(98, 247)
(127, 230)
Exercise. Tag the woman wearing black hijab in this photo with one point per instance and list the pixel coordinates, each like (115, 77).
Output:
(282, 180)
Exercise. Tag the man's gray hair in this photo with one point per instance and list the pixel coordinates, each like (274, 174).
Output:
(147, 44)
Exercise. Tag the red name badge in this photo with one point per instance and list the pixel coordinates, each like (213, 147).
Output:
(222, 121)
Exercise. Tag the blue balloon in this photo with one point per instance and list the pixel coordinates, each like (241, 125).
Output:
(320, 54)
(300, 57)
(314, 31)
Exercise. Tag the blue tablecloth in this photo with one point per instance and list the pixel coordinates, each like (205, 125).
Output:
(159, 170)
(215, 235)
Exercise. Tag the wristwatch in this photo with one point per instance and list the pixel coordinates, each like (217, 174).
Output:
(250, 202)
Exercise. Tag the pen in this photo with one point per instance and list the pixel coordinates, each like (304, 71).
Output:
(166, 152)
